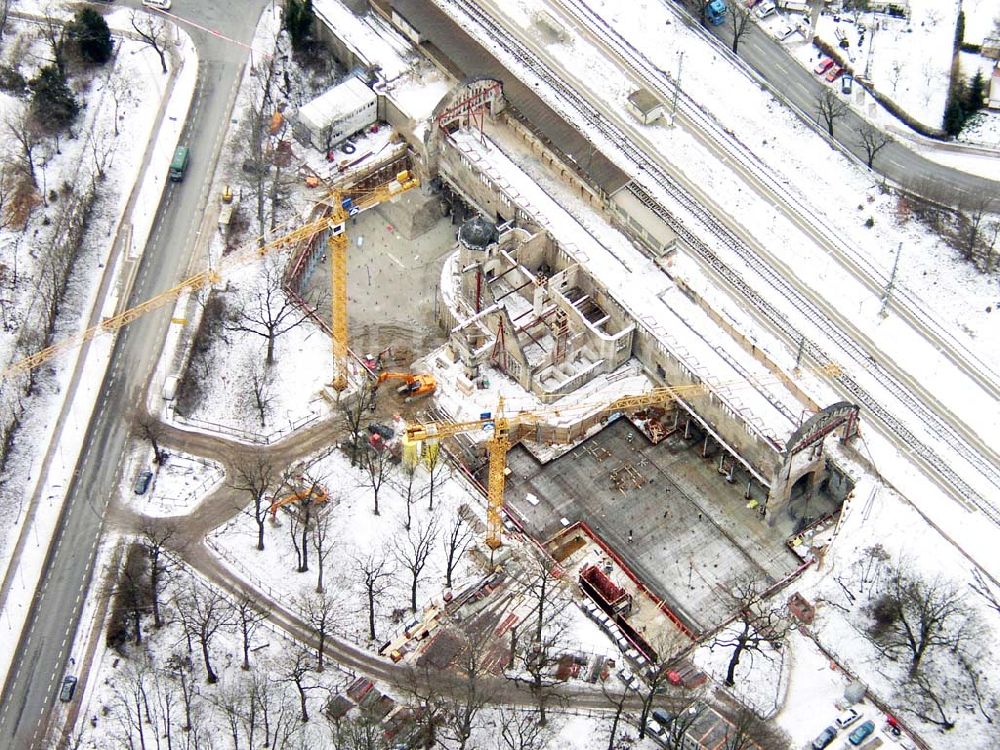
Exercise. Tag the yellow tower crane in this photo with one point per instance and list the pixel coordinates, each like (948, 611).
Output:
(501, 425)
(345, 204)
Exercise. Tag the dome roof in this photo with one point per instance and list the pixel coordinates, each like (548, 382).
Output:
(478, 233)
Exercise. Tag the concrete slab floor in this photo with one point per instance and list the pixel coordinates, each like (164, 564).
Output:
(392, 287)
(667, 512)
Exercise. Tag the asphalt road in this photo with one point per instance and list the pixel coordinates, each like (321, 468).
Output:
(802, 88)
(43, 652)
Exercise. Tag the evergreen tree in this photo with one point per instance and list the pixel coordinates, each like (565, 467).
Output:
(91, 34)
(299, 19)
(974, 94)
(53, 106)
(954, 116)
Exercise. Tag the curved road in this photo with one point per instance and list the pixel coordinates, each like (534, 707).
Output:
(789, 80)
(42, 653)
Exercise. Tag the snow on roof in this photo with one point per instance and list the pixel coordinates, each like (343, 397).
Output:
(648, 295)
(336, 103)
(369, 37)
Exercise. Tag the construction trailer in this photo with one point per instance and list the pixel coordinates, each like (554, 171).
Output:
(336, 114)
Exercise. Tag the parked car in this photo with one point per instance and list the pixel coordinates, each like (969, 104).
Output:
(824, 65)
(835, 72)
(68, 688)
(665, 718)
(847, 718)
(860, 734)
(628, 678)
(847, 83)
(142, 482)
(785, 31)
(158, 4)
(764, 9)
(655, 727)
(825, 738)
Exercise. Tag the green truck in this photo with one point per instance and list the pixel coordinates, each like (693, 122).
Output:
(179, 165)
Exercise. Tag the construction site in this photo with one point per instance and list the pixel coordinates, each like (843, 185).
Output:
(607, 412)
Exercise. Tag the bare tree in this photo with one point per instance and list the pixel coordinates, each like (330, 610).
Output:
(760, 623)
(53, 31)
(413, 551)
(657, 686)
(974, 212)
(471, 693)
(743, 21)
(409, 473)
(520, 730)
(256, 474)
(983, 587)
(376, 572)
(25, 132)
(204, 612)
(926, 703)
(266, 311)
(257, 395)
(378, 468)
(617, 700)
(353, 411)
(542, 652)
(435, 465)
(131, 596)
(320, 611)
(456, 542)
(119, 87)
(747, 731)
(157, 534)
(677, 732)
(872, 140)
(153, 32)
(296, 670)
(831, 108)
(321, 542)
(915, 617)
(249, 617)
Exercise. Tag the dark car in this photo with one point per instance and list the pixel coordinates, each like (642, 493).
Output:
(142, 482)
(68, 688)
(847, 83)
(825, 738)
(860, 734)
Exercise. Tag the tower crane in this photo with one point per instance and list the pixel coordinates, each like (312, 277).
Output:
(344, 202)
(502, 425)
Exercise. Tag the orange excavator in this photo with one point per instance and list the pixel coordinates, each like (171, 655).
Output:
(414, 386)
(315, 494)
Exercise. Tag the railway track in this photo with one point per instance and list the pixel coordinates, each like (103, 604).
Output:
(961, 441)
(798, 207)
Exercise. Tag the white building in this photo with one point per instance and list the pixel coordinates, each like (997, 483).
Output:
(336, 114)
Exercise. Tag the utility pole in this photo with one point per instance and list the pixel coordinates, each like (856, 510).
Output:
(892, 283)
(801, 351)
(677, 88)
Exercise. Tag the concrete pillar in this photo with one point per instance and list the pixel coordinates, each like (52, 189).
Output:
(687, 429)
(704, 448)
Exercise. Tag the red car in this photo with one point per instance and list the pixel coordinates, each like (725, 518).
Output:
(824, 65)
(835, 72)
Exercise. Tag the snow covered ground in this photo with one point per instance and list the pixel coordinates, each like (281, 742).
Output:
(136, 80)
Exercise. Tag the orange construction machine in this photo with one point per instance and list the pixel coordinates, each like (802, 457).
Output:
(414, 386)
